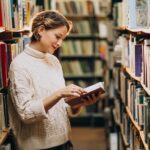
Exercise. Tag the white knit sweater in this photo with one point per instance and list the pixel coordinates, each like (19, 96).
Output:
(34, 76)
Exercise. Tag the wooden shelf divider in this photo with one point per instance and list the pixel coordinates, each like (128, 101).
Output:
(3, 135)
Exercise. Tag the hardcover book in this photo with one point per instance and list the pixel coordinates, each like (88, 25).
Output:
(93, 89)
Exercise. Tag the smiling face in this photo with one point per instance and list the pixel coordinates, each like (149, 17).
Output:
(49, 29)
(51, 39)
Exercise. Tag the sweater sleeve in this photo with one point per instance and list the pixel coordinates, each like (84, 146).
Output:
(22, 94)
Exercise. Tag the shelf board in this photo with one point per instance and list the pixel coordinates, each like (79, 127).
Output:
(133, 31)
(81, 17)
(85, 76)
(132, 74)
(137, 128)
(143, 141)
(4, 134)
(79, 56)
(132, 119)
(84, 37)
(11, 34)
(147, 90)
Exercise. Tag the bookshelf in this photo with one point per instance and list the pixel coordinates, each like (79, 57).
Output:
(14, 25)
(15, 19)
(12, 43)
(131, 76)
(80, 53)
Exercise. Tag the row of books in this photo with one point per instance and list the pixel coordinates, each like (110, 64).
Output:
(77, 47)
(132, 104)
(8, 51)
(84, 67)
(17, 14)
(90, 27)
(128, 135)
(128, 138)
(135, 56)
(124, 11)
(84, 7)
(131, 113)
(85, 48)
(137, 101)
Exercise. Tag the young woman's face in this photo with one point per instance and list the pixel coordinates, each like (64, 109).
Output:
(52, 39)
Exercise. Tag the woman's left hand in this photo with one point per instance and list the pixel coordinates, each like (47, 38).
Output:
(93, 98)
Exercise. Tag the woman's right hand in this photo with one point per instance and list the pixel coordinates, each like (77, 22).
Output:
(66, 92)
(71, 91)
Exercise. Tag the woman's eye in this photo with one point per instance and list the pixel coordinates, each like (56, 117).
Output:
(58, 37)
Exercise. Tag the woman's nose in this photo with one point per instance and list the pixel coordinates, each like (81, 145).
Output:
(59, 43)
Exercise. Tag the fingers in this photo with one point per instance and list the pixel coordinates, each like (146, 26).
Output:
(76, 90)
(103, 96)
(73, 90)
(93, 98)
(89, 100)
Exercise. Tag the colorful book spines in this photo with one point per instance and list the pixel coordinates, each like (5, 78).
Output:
(138, 60)
(4, 63)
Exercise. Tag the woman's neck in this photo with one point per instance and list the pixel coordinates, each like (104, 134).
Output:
(37, 46)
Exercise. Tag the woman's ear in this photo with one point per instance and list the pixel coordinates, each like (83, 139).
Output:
(40, 30)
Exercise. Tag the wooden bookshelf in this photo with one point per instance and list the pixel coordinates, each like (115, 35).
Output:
(4, 134)
(136, 126)
(133, 35)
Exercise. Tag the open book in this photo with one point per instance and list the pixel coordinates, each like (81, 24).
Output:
(93, 89)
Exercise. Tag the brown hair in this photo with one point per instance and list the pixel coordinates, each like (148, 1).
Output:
(49, 20)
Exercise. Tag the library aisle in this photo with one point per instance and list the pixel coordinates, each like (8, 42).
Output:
(88, 138)
(110, 43)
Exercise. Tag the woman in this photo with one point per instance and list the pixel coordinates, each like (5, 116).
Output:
(38, 112)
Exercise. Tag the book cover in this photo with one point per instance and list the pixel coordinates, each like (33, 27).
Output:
(93, 89)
